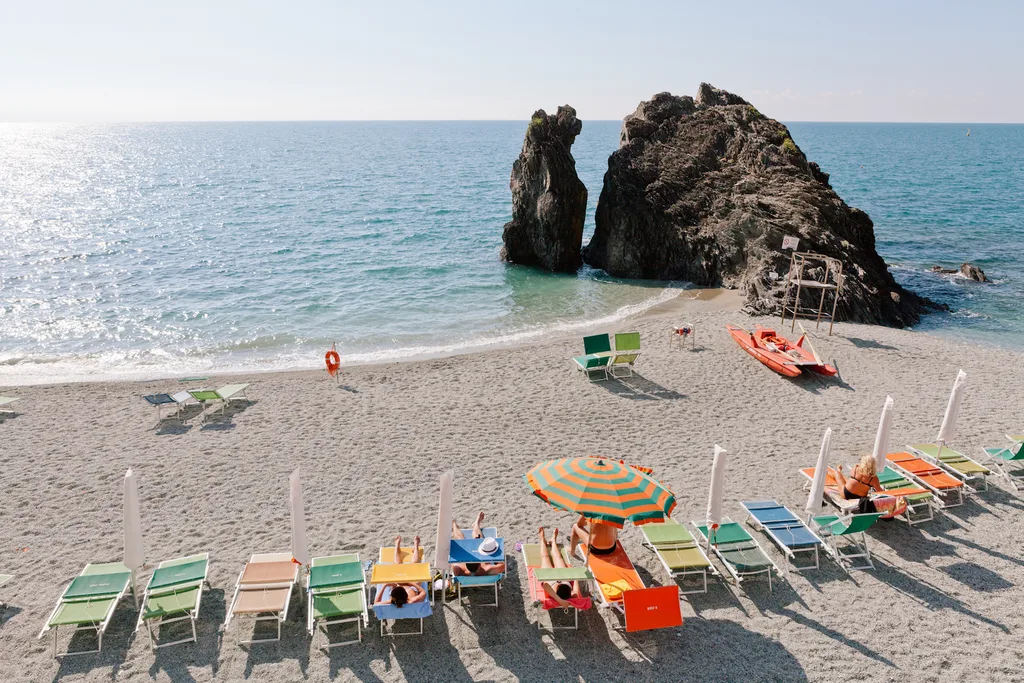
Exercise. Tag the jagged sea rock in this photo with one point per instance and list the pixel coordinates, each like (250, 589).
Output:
(968, 270)
(549, 202)
(704, 189)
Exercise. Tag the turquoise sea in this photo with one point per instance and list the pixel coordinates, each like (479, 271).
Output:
(145, 250)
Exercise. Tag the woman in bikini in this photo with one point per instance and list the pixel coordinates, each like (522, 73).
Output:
(860, 483)
(403, 593)
(599, 539)
(550, 558)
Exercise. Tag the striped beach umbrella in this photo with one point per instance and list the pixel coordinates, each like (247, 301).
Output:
(602, 490)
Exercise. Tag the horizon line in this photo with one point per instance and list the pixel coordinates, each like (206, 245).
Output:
(4, 121)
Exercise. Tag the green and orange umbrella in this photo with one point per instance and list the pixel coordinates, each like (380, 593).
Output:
(602, 490)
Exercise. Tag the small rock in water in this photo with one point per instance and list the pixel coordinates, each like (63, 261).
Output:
(968, 270)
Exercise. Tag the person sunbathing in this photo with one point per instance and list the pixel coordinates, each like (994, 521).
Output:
(474, 568)
(859, 484)
(403, 593)
(550, 558)
(600, 539)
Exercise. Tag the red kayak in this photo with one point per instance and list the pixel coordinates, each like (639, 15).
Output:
(778, 353)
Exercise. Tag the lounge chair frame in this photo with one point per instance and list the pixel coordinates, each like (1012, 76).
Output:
(278, 617)
(361, 620)
(100, 627)
(237, 394)
(841, 554)
(392, 633)
(738, 576)
(624, 357)
(372, 588)
(6, 401)
(477, 582)
(912, 508)
(789, 552)
(1000, 465)
(540, 605)
(191, 615)
(680, 575)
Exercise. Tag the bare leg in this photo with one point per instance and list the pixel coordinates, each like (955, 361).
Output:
(398, 550)
(476, 526)
(578, 534)
(840, 479)
(545, 555)
(417, 551)
(556, 555)
(456, 531)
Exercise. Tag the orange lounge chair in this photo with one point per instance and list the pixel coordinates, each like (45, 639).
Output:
(645, 608)
(932, 477)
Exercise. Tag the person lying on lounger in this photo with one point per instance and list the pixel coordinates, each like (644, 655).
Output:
(550, 558)
(600, 539)
(475, 568)
(404, 593)
(859, 484)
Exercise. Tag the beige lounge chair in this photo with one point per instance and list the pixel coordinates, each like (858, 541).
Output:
(264, 591)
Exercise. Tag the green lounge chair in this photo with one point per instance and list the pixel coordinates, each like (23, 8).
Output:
(740, 552)
(598, 350)
(831, 528)
(627, 349)
(336, 592)
(174, 593)
(88, 603)
(1001, 458)
(678, 552)
(920, 506)
(959, 465)
(6, 401)
(226, 394)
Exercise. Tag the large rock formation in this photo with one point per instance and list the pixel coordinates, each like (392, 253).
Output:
(549, 202)
(705, 189)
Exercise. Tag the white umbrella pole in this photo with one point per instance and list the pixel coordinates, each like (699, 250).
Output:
(134, 553)
(717, 492)
(815, 497)
(300, 544)
(949, 420)
(881, 449)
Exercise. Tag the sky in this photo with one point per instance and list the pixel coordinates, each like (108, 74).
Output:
(109, 60)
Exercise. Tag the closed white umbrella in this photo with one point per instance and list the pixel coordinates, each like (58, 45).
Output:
(444, 521)
(300, 546)
(956, 397)
(134, 552)
(815, 497)
(717, 492)
(881, 449)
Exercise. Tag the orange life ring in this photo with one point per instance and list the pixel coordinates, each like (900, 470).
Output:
(333, 362)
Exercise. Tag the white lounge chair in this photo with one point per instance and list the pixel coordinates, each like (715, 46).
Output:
(226, 394)
(6, 401)
(264, 591)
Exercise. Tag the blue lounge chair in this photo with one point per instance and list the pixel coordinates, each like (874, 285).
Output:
(785, 529)
(464, 550)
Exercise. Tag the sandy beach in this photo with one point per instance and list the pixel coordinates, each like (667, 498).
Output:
(943, 603)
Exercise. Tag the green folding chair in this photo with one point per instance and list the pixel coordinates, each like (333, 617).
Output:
(598, 350)
(627, 349)
(336, 594)
(740, 552)
(972, 472)
(678, 552)
(88, 603)
(1003, 459)
(850, 529)
(174, 594)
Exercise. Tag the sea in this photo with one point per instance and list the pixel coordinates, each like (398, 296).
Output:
(137, 251)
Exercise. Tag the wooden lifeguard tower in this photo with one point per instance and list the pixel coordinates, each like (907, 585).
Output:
(808, 274)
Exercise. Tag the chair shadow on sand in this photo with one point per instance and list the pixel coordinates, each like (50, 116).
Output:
(639, 388)
(868, 343)
(116, 642)
(206, 651)
(217, 420)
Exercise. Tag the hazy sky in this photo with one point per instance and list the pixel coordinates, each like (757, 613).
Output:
(380, 59)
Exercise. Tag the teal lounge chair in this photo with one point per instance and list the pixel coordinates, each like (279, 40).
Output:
(88, 603)
(627, 349)
(174, 593)
(740, 552)
(598, 350)
(832, 528)
(336, 595)
(1003, 458)
(920, 506)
